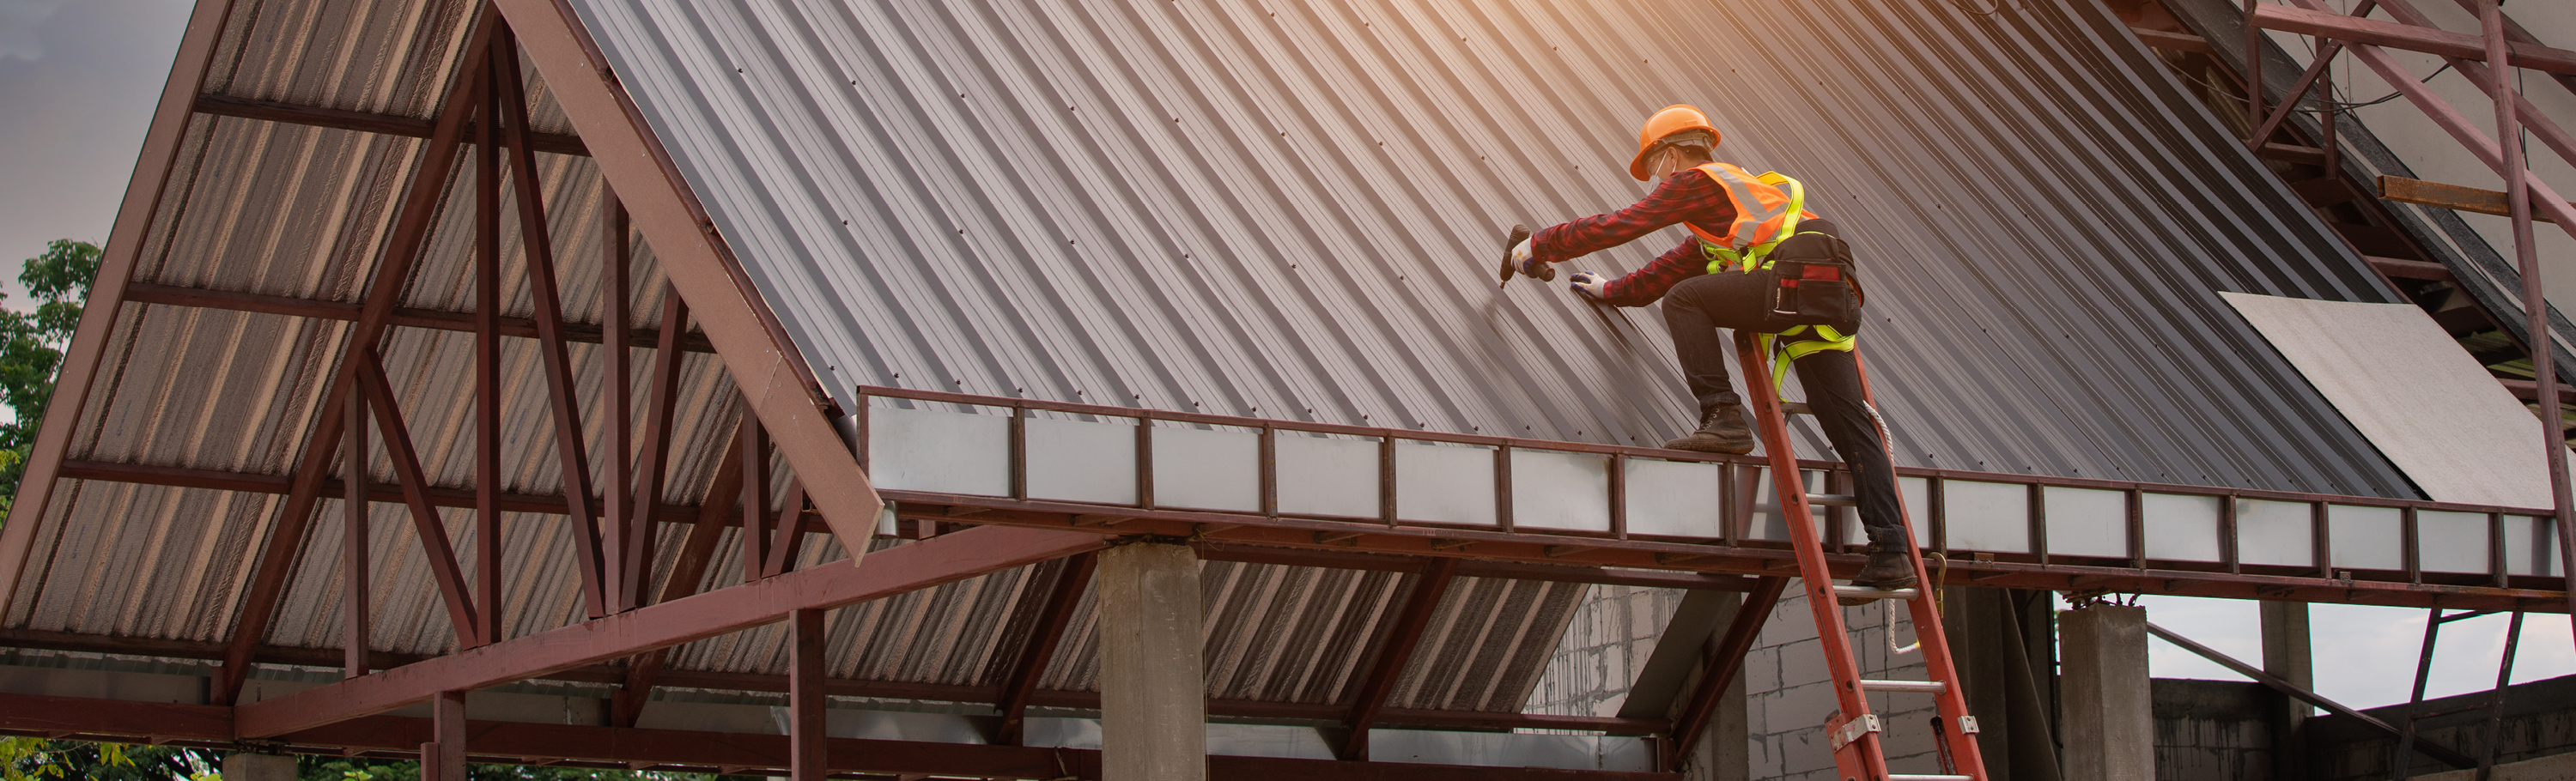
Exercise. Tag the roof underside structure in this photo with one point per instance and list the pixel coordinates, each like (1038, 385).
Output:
(1228, 216)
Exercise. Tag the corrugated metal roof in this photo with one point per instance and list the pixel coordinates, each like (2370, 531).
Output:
(287, 210)
(1286, 210)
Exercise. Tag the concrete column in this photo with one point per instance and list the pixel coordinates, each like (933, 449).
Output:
(2287, 654)
(2109, 706)
(259, 767)
(1153, 683)
(1724, 751)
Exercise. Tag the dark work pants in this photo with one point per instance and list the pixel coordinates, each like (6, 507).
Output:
(1697, 307)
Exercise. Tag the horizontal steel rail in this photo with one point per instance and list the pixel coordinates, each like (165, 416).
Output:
(1731, 551)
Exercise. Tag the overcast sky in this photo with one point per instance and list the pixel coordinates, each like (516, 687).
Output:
(78, 81)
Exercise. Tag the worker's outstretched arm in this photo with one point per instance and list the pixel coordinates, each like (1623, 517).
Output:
(1689, 196)
(1646, 285)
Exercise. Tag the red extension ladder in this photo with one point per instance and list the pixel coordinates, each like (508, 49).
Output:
(1855, 731)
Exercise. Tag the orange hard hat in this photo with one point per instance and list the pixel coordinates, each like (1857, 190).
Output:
(1673, 119)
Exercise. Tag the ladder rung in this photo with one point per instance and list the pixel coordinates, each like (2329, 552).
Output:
(1916, 687)
(1919, 777)
(1796, 408)
(1865, 592)
(1833, 500)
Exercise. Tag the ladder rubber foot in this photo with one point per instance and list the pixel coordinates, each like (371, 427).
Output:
(1916, 777)
(1915, 687)
(1865, 592)
(1833, 500)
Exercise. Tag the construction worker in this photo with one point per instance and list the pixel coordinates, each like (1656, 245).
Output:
(1738, 219)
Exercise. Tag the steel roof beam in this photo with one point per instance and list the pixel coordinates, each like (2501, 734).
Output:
(404, 317)
(2401, 35)
(249, 482)
(361, 121)
(946, 559)
(844, 687)
(1536, 549)
(531, 743)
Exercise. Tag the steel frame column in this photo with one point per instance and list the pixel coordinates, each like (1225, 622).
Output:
(487, 363)
(356, 581)
(624, 544)
(805, 698)
(443, 757)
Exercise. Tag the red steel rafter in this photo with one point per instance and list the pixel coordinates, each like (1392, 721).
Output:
(1044, 640)
(781, 389)
(921, 565)
(81, 360)
(1725, 664)
(425, 520)
(401, 250)
(1401, 641)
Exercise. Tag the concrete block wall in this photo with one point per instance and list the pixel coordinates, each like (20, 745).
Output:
(2213, 730)
(1790, 693)
(1612, 633)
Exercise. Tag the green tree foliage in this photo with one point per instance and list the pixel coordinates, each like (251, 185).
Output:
(32, 344)
(36, 759)
(313, 768)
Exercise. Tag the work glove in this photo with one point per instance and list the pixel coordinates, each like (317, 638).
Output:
(1530, 266)
(1589, 284)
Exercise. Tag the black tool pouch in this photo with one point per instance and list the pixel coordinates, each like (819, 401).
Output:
(1810, 281)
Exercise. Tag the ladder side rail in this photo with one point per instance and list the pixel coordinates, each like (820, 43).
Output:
(1861, 757)
(1929, 634)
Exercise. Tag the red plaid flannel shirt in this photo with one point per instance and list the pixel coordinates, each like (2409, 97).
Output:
(1690, 196)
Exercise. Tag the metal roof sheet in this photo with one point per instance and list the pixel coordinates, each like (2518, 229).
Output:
(1289, 211)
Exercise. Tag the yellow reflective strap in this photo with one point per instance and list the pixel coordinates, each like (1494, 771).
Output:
(1785, 348)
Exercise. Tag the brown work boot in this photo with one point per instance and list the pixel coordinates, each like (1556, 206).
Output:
(1887, 569)
(1721, 430)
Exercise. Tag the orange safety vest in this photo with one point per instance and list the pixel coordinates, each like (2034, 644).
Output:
(1765, 213)
(1767, 209)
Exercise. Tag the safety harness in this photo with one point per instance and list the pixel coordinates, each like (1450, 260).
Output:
(1767, 209)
